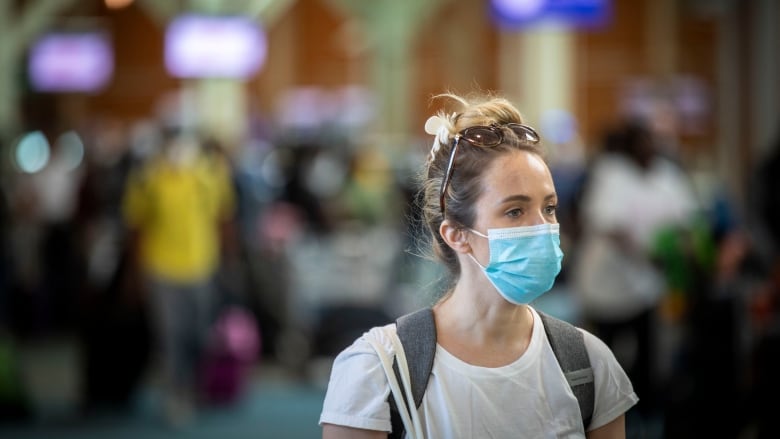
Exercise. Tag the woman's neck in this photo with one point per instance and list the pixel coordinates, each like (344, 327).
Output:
(480, 327)
(483, 311)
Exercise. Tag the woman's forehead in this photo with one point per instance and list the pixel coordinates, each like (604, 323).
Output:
(517, 172)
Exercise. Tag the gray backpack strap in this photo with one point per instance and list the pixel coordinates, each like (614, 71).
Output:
(417, 332)
(568, 344)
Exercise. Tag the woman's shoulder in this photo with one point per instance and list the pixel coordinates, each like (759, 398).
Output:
(599, 354)
(607, 370)
(358, 389)
(362, 350)
(597, 349)
(614, 393)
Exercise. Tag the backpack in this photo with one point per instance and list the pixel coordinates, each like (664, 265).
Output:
(417, 332)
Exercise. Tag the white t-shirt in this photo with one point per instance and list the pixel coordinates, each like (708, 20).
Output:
(527, 398)
(621, 196)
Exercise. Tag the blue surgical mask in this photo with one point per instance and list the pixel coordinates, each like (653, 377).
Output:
(524, 261)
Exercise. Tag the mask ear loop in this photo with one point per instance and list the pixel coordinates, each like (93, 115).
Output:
(472, 256)
(476, 261)
(477, 233)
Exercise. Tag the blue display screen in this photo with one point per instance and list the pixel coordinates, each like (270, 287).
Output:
(519, 14)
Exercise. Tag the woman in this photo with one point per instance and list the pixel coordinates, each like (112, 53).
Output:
(487, 192)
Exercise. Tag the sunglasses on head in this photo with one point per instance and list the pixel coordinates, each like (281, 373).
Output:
(483, 137)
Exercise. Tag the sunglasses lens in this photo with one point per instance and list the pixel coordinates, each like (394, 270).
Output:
(482, 136)
(524, 133)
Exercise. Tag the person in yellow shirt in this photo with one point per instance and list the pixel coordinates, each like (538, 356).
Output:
(173, 206)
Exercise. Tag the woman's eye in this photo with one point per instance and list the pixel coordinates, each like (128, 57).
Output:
(551, 209)
(514, 213)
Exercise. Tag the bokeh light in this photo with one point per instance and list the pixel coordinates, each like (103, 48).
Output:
(71, 149)
(118, 4)
(32, 152)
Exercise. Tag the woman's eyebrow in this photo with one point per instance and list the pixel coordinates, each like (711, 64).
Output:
(526, 199)
(518, 197)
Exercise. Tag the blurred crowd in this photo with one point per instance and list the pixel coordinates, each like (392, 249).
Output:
(157, 245)
(678, 275)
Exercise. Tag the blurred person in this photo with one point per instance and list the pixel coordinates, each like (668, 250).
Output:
(369, 192)
(108, 161)
(700, 320)
(765, 302)
(631, 193)
(113, 321)
(489, 203)
(174, 205)
(57, 188)
(765, 197)
(46, 272)
(13, 404)
(24, 244)
(298, 190)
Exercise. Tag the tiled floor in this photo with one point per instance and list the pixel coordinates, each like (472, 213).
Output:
(274, 406)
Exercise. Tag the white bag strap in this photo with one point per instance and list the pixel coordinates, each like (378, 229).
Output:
(406, 407)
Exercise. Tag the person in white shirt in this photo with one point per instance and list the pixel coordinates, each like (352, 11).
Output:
(633, 193)
(489, 202)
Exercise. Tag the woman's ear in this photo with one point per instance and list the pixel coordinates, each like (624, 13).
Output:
(455, 237)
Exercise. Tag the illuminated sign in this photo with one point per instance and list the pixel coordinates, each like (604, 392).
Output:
(199, 46)
(519, 14)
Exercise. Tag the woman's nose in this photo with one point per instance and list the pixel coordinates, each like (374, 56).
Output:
(541, 217)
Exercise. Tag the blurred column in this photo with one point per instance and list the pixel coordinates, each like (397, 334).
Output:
(661, 38)
(391, 26)
(729, 99)
(222, 108)
(537, 70)
(765, 75)
(220, 105)
(748, 91)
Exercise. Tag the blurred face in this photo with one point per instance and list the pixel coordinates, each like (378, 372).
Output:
(182, 151)
(517, 190)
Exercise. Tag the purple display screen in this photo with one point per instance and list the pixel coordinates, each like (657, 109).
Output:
(71, 62)
(199, 46)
